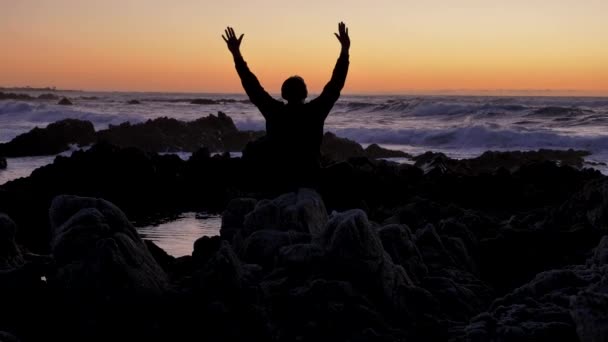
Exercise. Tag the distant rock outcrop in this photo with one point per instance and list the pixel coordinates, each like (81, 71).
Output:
(338, 149)
(65, 102)
(55, 138)
(3, 163)
(216, 133)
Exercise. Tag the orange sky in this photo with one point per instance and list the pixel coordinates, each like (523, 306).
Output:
(397, 45)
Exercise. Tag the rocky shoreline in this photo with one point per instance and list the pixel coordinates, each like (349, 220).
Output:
(509, 246)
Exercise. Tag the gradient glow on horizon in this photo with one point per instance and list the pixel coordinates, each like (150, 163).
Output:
(398, 46)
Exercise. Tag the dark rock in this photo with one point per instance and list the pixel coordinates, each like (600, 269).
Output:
(374, 151)
(165, 260)
(222, 277)
(262, 246)
(98, 252)
(398, 242)
(65, 102)
(300, 256)
(133, 102)
(356, 252)
(233, 218)
(216, 133)
(301, 211)
(13, 96)
(3, 163)
(588, 310)
(11, 256)
(492, 161)
(204, 248)
(203, 102)
(588, 207)
(7, 337)
(53, 139)
(337, 148)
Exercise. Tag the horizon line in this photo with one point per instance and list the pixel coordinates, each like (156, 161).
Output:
(412, 92)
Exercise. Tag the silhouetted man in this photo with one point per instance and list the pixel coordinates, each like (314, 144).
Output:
(294, 130)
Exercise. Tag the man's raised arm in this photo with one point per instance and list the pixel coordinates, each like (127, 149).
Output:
(331, 92)
(258, 96)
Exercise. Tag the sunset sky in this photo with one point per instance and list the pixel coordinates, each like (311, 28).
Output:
(398, 46)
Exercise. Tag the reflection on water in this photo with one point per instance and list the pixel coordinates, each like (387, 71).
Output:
(177, 236)
(22, 167)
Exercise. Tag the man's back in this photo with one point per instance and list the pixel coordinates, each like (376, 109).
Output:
(294, 130)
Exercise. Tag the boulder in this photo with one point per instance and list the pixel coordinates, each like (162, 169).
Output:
(262, 246)
(300, 256)
(588, 310)
(7, 337)
(11, 256)
(233, 217)
(566, 304)
(398, 242)
(65, 102)
(301, 211)
(3, 163)
(355, 252)
(204, 248)
(99, 253)
(133, 102)
(337, 148)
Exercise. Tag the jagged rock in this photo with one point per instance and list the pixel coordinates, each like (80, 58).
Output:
(337, 148)
(65, 102)
(398, 242)
(162, 258)
(216, 133)
(3, 163)
(98, 252)
(53, 139)
(300, 256)
(11, 256)
(204, 248)
(301, 211)
(222, 277)
(233, 217)
(262, 246)
(588, 311)
(374, 151)
(492, 161)
(434, 252)
(600, 255)
(7, 337)
(355, 251)
(588, 207)
(13, 96)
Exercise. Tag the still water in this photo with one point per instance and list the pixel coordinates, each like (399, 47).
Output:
(177, 236)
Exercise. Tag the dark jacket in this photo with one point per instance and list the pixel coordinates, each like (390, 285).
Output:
(294, 131)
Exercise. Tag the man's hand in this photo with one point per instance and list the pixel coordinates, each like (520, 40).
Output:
(233, 43)
(342, 36)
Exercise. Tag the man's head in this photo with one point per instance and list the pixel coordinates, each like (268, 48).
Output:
(294, 89)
